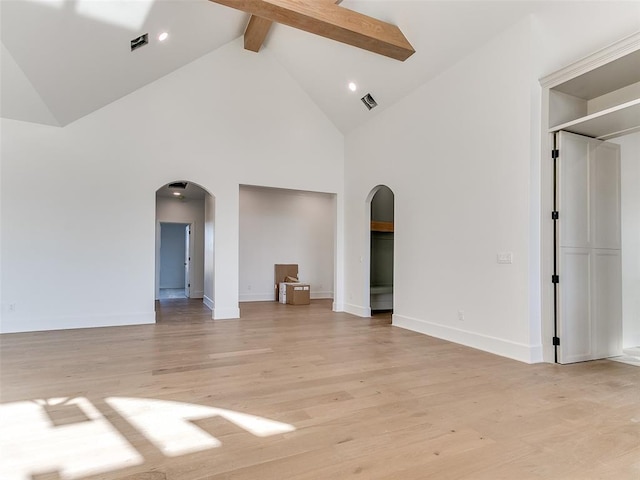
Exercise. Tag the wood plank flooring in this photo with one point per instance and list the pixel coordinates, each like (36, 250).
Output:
(366, 400)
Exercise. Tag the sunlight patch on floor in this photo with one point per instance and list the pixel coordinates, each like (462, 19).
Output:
(31, 444)
(71, 438)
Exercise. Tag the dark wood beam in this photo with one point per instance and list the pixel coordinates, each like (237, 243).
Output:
(330, 21)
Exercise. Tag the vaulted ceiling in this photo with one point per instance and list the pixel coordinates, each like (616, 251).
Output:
(63, 59)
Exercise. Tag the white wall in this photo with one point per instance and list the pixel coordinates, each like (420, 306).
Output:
(462, 155)
(285, 226)
(65, 251)
(456, 154)
(174, 210)
(209, 252)
(630, 173)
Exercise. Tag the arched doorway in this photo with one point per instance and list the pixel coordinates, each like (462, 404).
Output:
(381, 242)
(184, 242)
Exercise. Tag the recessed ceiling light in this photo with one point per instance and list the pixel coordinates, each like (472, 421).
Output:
(353, 87)
(163, 36)
(177, 194)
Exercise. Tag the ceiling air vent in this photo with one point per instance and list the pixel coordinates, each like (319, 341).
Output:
(368, 101)
(182, 185)
(140, 41)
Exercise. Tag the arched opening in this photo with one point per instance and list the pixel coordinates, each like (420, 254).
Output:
(185, 218)
(381, 243)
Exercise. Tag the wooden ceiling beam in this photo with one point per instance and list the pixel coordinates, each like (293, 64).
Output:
(325, 19)
(257, 30)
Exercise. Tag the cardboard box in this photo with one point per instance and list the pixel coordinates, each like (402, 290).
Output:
(282, 292)
(297, 294)
(282, 272)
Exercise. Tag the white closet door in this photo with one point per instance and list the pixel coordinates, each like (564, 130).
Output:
(588, 249)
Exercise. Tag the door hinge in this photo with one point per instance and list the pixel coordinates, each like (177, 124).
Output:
(555, 153)
(555, 279)
(188, 285)
(555, 215)
(556, 341)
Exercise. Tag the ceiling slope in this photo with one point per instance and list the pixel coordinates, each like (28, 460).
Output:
(76, 53)
(18, 99)
(63, 59)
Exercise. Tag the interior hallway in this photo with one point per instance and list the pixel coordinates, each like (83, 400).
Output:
(361, 399)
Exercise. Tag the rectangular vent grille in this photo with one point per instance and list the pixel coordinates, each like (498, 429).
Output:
(140, 41)
(368, 101)
(181, 185)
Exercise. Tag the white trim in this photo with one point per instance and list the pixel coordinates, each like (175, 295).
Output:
(321, 295)
(82, 321)
(601, 57)
(516, 351)
(197, 294)
(632, 340)
(226, 313)
(256, 297)
(356, 310)
(270, 297)
(208, 302)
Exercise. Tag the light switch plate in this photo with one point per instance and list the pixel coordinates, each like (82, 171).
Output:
(504, 257)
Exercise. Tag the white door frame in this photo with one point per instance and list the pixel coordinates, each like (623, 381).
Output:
(190, 225)
(598, 59)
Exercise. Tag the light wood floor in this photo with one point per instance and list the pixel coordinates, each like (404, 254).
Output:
(367, 400)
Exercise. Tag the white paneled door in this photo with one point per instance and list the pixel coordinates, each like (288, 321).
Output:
(589, 290)
(187, 261)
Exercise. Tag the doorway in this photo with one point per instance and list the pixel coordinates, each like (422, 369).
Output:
(175, 260)
(381, 250)
(283, 226)
(588, 282)
(185, 214)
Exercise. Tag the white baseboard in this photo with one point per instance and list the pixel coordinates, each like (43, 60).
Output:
(498, 346)
(631, 340)
(548, 353)
(226, 313)
(270, 297)
(320, 295)
(382, 305)
(356, 310)
(196, 294)
(21, 324)
(208, 302)
(257, 297)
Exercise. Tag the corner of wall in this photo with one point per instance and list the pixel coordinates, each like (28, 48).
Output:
(226, 313)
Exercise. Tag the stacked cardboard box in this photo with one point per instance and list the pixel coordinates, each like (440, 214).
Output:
(294, 293)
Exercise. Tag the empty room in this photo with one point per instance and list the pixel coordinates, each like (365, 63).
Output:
(310, 239)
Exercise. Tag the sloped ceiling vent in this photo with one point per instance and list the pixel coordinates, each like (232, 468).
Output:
(140, 41)
(369, 101)
(181, 185)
